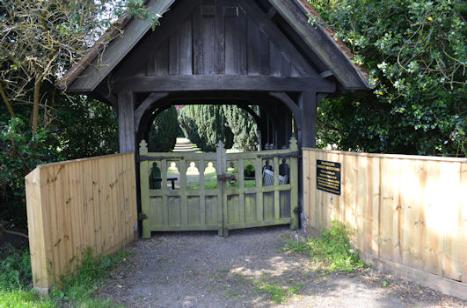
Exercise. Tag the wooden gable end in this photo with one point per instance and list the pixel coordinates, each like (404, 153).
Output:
(222, 37)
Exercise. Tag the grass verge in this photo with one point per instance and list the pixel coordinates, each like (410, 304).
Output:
(78, 289)
(277, 293)
(332, 251)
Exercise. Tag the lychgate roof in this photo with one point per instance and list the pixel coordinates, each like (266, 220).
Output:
(219, 37)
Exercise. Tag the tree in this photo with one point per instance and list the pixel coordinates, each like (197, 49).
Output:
(164, 131)
(42, 39)
(243, 126)
(416, 55)
(205, 125)
(39, 40)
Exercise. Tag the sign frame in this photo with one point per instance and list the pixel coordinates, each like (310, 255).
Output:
(329, 177)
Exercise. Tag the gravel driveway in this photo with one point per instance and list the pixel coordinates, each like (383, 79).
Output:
(204, 270)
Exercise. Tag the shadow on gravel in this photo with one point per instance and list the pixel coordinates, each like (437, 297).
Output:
(249, 268)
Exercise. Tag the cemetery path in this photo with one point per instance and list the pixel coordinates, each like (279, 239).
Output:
(249, 269)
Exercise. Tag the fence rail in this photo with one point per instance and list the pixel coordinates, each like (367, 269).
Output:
(75, 206)
(406, 210)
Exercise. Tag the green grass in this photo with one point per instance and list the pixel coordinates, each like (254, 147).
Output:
(332, 251)
(277, 293)
(77, 291)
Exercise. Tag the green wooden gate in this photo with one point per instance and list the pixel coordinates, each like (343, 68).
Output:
(218, 191)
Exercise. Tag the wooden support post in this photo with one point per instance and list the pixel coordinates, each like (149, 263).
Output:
(308, 105)
(294, 180)
(126, 122)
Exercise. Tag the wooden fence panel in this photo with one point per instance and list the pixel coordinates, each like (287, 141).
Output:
(78, 205)
(406, 210)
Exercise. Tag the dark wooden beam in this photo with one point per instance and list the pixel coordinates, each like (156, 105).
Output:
(294, 108)
(170, 24)
(126, 121)
(118, 49)
(224, 83)
(326, 74)
(272, 13)
(146, 105)
(321, 44)
(286, 47)
(308, 107)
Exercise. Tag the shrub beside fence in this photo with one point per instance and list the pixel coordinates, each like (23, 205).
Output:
(408, 213)
(75, 206)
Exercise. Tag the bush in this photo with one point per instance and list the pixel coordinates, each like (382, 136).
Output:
(415, 53)
(15, 270)
(164, 131)
(20, 152)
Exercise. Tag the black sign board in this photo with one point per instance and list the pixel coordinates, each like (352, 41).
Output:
(328, 176)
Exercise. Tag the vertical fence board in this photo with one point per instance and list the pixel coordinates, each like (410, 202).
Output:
(463, 222)
(409, 210)
(73, 206)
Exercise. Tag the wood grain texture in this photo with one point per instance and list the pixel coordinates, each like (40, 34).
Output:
(78, 205)
(406, 210)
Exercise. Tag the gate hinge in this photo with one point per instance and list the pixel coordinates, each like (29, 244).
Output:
(142, 216)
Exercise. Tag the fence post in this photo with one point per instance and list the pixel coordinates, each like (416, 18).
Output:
(38, 243)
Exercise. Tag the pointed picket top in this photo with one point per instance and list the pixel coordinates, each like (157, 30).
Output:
(143, 147)
(293, 143)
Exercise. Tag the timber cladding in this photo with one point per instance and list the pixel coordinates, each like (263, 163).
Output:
(408, 213)
(75, 206)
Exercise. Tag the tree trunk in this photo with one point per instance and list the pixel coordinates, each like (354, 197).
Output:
(7, 102)
(36, 104)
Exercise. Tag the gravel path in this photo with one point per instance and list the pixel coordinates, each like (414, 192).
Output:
(204, 270)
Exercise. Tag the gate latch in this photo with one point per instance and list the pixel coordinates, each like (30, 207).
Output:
(227, 177)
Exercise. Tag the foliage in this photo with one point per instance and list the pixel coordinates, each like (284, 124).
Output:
(15, 280)
(164, 131)
(39, 41)
(277, 293)
(42, 39)
(243, 126)
(332, 250)
(84, 128)
(15, 269)
(416, 56)
(20, 152)
(80, 287)
(205, 125)
(77, 291)
(79, 127)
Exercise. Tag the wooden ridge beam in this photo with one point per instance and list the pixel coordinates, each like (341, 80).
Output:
(224, 83)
